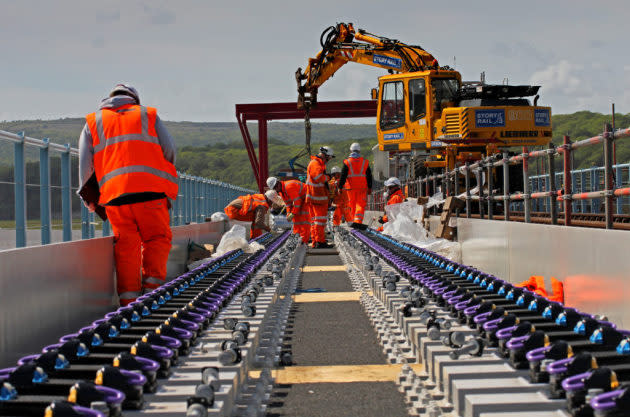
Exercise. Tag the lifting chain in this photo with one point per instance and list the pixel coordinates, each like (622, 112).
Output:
(307, 127)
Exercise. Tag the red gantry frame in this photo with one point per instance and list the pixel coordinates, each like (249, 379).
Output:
(264, 112)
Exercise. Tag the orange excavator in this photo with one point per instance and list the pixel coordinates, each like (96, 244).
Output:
(425, 107)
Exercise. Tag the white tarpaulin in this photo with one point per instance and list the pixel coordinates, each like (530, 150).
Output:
(404, 224)
(235, 238)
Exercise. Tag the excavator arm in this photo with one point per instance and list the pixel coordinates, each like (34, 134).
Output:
(342, 44)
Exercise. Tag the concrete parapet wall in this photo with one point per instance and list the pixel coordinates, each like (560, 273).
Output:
(590, 262)
(48, 291)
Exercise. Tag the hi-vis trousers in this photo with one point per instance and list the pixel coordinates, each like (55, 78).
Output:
(319, 216)
(302, 223)
(357, 202)
(142, 241)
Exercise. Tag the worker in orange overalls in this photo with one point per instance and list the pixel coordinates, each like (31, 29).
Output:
(536, 283)
(394, 195)
(339, 198)
(293, 192)
(253, 208)
(356, 177)
(126, 147)
(317, 195)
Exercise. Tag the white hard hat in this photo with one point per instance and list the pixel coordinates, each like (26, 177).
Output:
(327, 150)
(271, 182)
(273, 196)
(355, 147)
(335, 170)
(390, 182)
(127, 90)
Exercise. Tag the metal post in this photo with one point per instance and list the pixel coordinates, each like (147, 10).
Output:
(20, 193)
(85, 222)
(490, 190)
(608, 175)
(213, 197)
(455, 188)
(200, 208)
(189, 192)
(467, 184)
(206, 194)
(44, 192)
(527, 202)
(583, 189)
(262, 153)
(479, 177)
(594, 182)
(176, 203)
(106, 229)
(506, 187)
(195, 197)
(574, 204)
(568, 186)
(91, 224)
(553, 196)
(184, 199)
(618, 182)
(66, 198)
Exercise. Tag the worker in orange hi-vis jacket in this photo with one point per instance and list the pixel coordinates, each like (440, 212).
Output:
(394, 195)
(126, 150)
(356, 177)
(339, 198)
(253, 208)
(317, 195)
(293, 192)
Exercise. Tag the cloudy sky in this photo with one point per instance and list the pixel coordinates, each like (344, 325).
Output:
(195, 59)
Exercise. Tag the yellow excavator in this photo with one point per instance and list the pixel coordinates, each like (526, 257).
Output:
(425, 107)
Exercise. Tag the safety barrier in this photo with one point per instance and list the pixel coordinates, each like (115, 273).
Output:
(577, 187)
(198, 197)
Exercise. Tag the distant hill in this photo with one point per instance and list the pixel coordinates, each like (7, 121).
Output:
(199, 134)
(230, 163)
(586, 124)
(216, 149)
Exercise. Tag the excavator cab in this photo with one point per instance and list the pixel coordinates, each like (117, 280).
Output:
(409, 104)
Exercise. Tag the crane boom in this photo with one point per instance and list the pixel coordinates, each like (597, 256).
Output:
(342, 44)
(423, 108)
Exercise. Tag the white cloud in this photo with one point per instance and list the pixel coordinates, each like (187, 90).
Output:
(569, 86)
(562, 77)
(196, 59)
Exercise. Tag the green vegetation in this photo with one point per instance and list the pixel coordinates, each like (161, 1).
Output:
(216, 150)
(231, 164)
(586, 124)
(198, 134)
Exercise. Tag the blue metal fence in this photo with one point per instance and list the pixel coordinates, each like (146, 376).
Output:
(197, 199)
(584, 181)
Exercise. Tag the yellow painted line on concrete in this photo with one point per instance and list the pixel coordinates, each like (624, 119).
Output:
(323, 297)
(324, 268)
(336, 373)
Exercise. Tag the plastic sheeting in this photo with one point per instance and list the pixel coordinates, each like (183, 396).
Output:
(405, 225)
(435, 200)
(219, 216)
(235, 238)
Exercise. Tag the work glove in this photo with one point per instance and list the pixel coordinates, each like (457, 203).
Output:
(290, 217)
